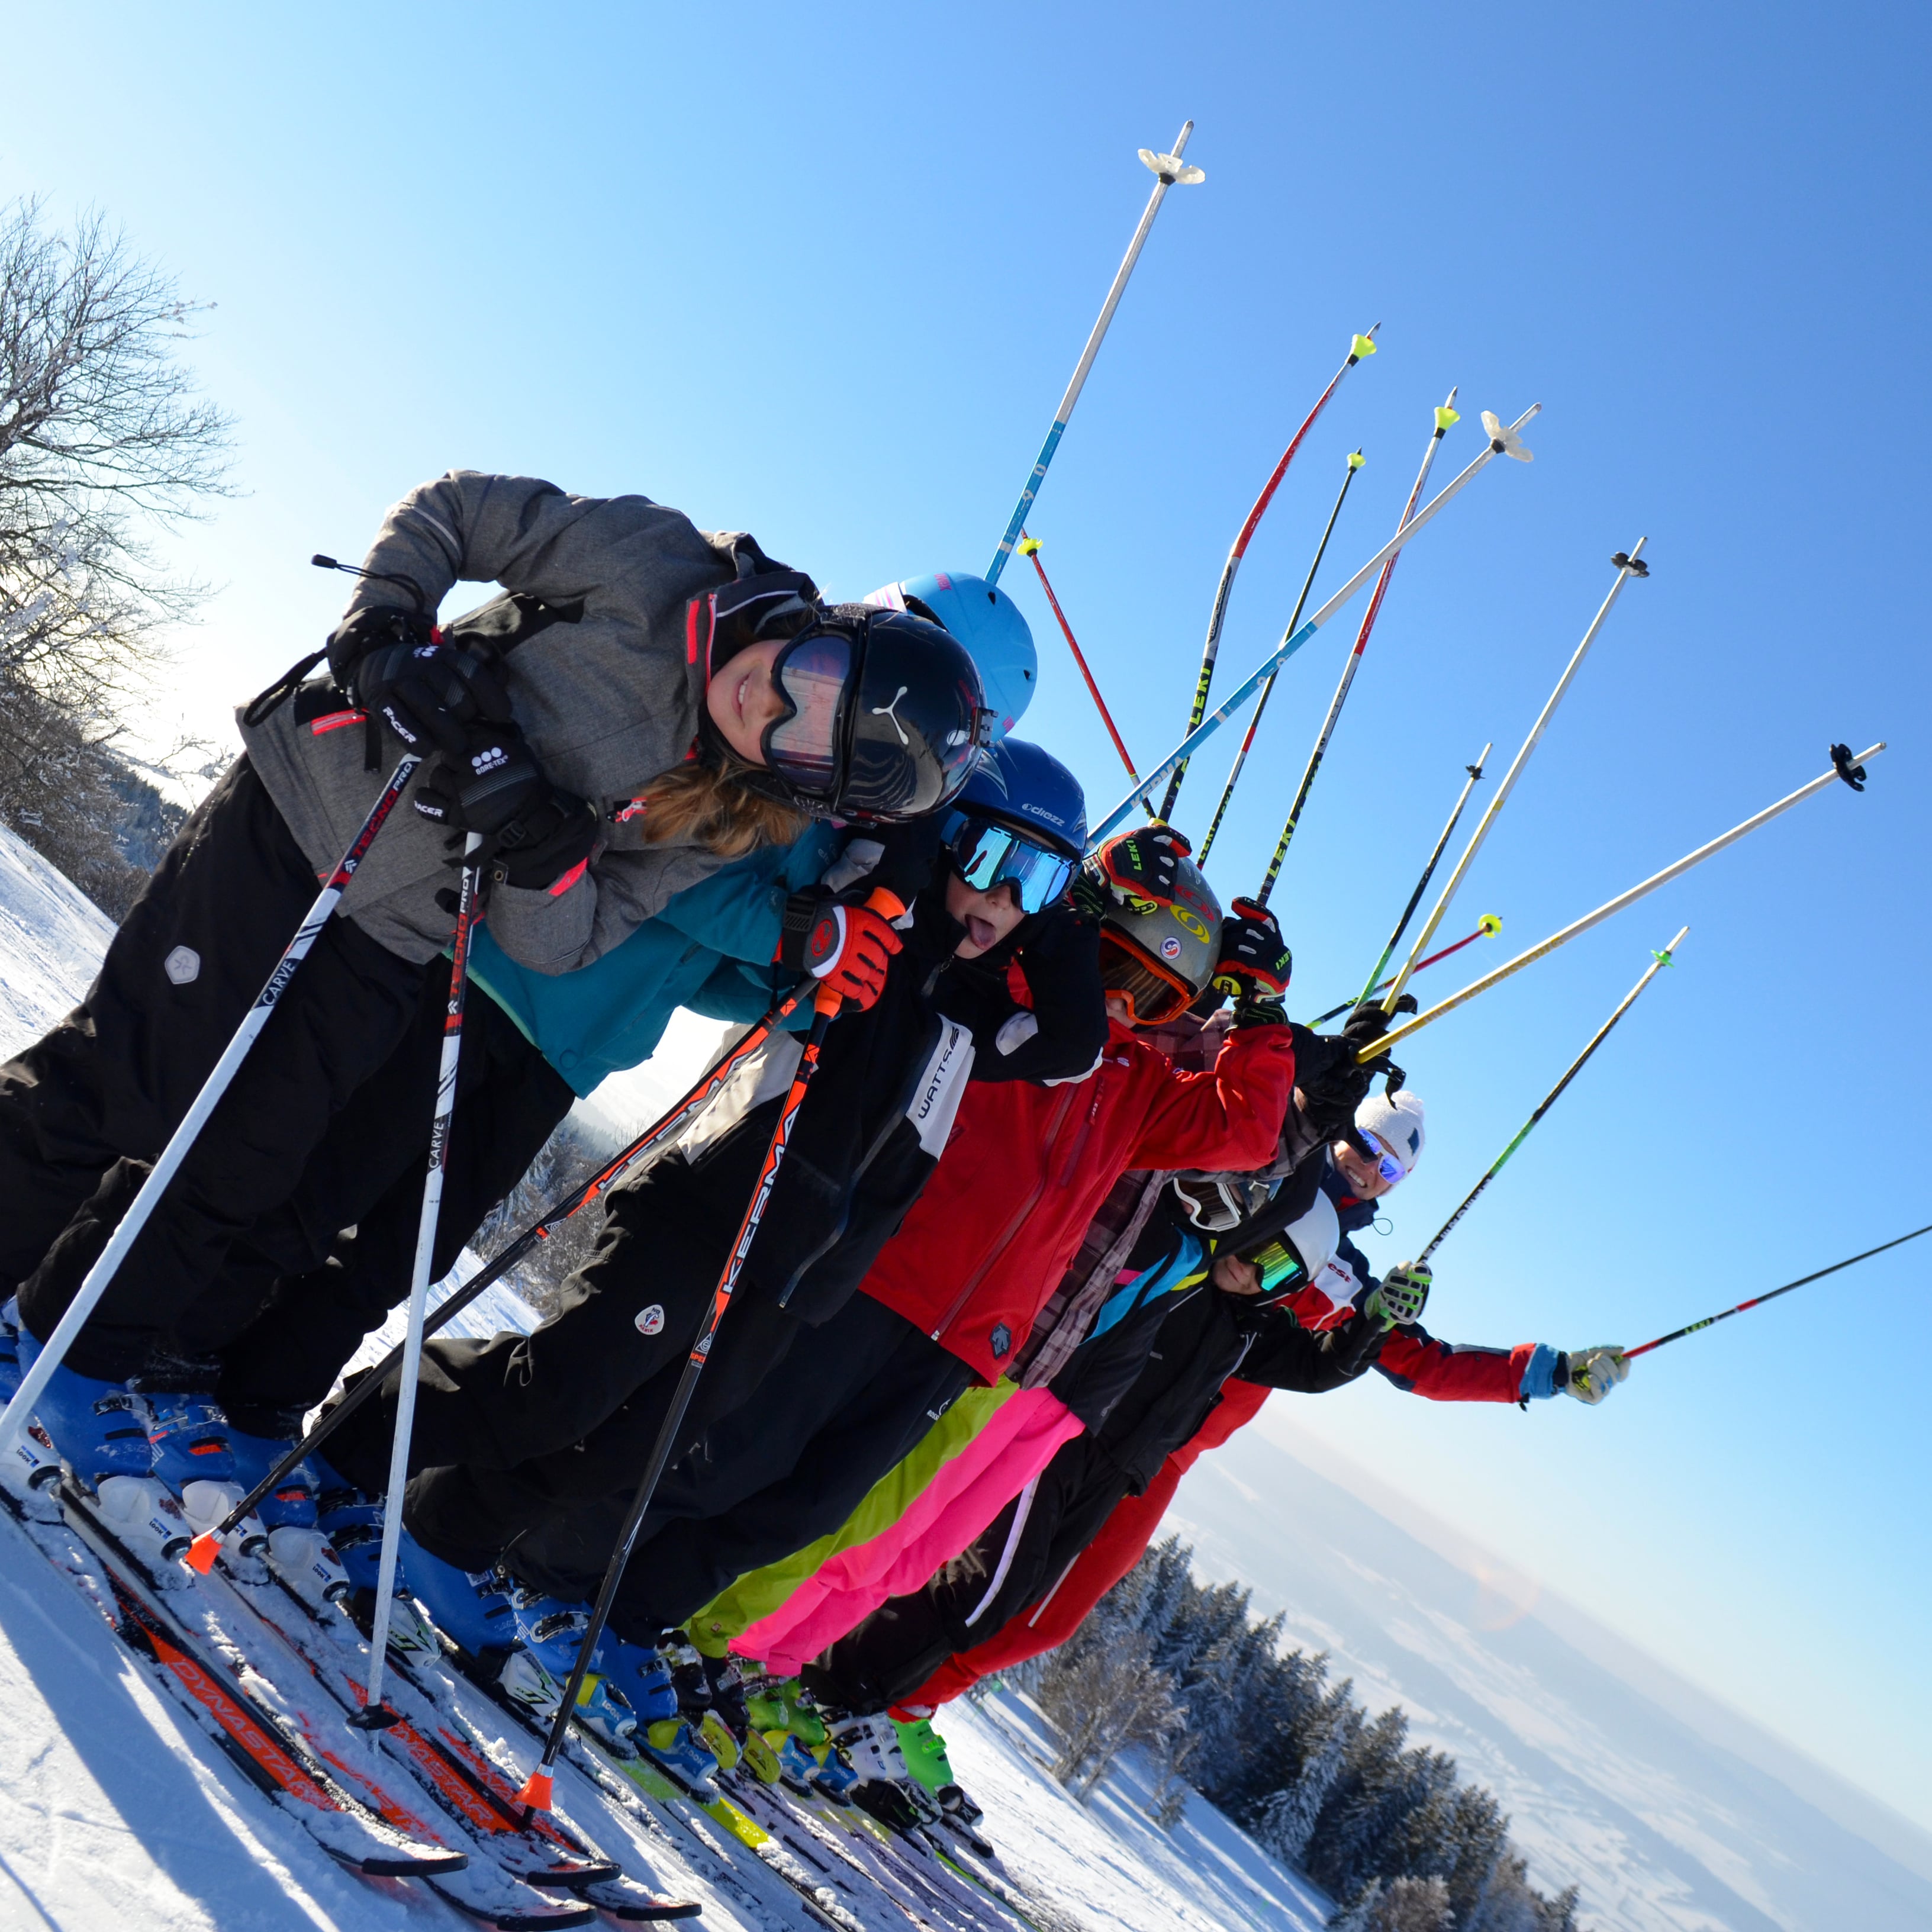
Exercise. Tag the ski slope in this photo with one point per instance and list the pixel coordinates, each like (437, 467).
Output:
(117, 1815)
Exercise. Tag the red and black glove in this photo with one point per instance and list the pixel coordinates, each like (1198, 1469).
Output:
(1254, 962)
(1143, 867)
(847, 948)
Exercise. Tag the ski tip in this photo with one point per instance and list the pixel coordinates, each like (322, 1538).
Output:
(202, 1551)
(536, 1794)
(1490, 924)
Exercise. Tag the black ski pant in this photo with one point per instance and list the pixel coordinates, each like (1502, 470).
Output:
(787, 1466)
(558, 1414)
(1022, 1553)
(84, 1107)
(314, 1278)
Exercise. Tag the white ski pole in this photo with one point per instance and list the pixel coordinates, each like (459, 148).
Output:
(1504, 440)
(372, 1716)
(1168, 169)
(1844, 766)
(33, 1384)
(1628, 565)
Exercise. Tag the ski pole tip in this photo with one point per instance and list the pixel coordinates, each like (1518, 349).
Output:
(1357, 460)
(535, 1795)
(1490, 924)
(202, 1551)
(1359, 345)
(1029, 546)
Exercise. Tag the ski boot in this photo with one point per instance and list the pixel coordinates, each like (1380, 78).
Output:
(352, 1522)
(297, 1552)
(732, 1679)
(33, 1464)
(883, 1786)
(194, 1458)
(639, 1671)
(671, 1741)
(697, 1701)
(472, 1608)
(924, 1750)
(535, 1675)
(100, 1430)
(784, 1704)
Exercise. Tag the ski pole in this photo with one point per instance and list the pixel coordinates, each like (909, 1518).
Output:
(1445, 419)
(1627, 565)
(33, 1384)
(1757, 1301)
(1487, 927)
(206, 1547)
(1375, 983)
(1658, 961)
(536, 1793)
(1355, 462)
(372, 1716)
(1030, 546)
(1168, 169)
(1504, 440)
(1843, 766)
(1359, 346)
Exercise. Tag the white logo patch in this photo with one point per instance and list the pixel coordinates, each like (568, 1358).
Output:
(182, 965)
(1170, 947)
(650, 1320)
(888, 711)
(935, 1099)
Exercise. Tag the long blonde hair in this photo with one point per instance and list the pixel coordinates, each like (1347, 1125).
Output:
(710, 806)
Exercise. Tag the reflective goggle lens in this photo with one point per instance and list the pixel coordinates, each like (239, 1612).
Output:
(1386, 1165)
(1152, 997)
(1279, 1267)
(811, 674)
(989, 856)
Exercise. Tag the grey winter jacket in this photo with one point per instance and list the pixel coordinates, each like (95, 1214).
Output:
(609, 698)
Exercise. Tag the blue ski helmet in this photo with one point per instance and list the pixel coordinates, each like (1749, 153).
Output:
(989, 623)
(1021, 821)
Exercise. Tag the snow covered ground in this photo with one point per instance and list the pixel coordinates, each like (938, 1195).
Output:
(52, 937)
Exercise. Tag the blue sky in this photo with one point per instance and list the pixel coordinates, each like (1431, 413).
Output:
(822, 275)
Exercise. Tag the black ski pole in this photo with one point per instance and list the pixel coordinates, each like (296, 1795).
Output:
(33, 1384)
(1658, 961)
(1373, 984)
(1757, 1301)
(535, 1795)
(207, 1546)
(1355, 462)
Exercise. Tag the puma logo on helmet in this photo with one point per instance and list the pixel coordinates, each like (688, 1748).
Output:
(887, 711)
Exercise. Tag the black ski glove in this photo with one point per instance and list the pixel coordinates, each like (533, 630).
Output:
(436, 692)
(1254, 962)
(534, 831)
(371, 629)
(1143, 867)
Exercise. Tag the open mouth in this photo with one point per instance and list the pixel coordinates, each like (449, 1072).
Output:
(983, 932)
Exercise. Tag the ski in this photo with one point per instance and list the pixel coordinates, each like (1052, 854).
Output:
(279, 1764)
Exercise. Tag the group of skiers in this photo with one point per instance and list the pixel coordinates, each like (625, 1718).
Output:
(1068, 1195)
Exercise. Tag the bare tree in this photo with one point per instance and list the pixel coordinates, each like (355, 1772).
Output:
(103, 441)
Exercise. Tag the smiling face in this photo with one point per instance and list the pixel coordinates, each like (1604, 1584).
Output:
(1364, 1182)
(742, 699)
(1234, 1276)
(987, 917)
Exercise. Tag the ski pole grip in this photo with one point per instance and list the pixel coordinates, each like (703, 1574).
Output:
(887, 905)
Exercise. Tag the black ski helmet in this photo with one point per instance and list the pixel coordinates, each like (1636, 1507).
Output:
(886, 717)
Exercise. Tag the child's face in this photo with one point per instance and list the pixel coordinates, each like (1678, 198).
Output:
(743, 699)
(987, 917)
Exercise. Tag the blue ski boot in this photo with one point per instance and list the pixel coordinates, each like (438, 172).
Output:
(472, 1609)
(640, 1672)
(352, 1520)
(536, 1674)
(671, 1741)
(298, 1552)
(193, 1457)
(32, 1464)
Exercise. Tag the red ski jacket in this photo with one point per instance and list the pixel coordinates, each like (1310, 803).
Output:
(1027, 1166)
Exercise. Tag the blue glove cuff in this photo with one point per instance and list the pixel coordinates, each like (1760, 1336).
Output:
(1539, 1375)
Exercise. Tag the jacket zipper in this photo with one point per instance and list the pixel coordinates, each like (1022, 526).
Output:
(1012, 1227)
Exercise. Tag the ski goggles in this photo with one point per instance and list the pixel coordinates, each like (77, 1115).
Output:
(1217, 1203)
(813, 675)
(1153, 993)
(989, 856)
(1279, 1267)
(1383, 1162)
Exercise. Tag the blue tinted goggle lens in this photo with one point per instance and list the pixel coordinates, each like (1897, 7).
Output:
(1386, 1165)
(989, 856)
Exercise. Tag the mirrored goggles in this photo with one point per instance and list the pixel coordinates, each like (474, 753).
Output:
(1279, 1267)
(1152, 996)
(1378, 1156)
(990, 856)
(813, 673)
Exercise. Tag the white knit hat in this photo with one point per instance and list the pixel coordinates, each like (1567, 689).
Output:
(1396, 1123)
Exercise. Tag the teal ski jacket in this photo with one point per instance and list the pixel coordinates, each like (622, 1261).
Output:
(710, 948)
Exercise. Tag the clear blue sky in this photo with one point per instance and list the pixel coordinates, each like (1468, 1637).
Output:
(822, 273)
